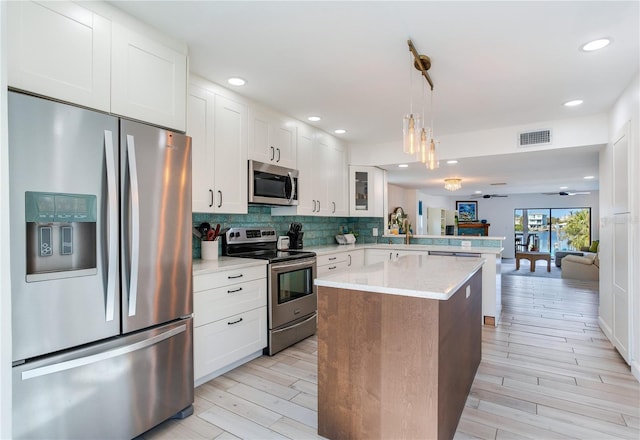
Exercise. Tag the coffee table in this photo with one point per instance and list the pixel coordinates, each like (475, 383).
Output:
(533, 257)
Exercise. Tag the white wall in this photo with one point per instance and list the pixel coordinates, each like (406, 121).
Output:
(575, 132)
(5, 269)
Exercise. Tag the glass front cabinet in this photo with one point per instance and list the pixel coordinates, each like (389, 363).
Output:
(366, 191)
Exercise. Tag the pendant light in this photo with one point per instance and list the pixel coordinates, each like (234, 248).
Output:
(424, 147)
(410, 125)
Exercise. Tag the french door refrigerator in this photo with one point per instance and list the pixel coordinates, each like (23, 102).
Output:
(100, 272)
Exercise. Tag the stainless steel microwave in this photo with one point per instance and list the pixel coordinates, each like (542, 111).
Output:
(272, 184)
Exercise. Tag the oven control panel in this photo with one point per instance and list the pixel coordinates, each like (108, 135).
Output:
(250, 235)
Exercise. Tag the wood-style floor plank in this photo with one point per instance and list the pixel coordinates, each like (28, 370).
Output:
(547, 372)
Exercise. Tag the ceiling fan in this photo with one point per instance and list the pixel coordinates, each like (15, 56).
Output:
(487, 196)
(566, 193)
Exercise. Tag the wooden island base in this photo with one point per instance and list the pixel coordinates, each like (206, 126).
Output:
(391, 366)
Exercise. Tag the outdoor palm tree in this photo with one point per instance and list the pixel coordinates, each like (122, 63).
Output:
(576, 230)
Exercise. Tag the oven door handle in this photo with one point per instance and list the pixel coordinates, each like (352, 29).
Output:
(307, 262)
(314, 316)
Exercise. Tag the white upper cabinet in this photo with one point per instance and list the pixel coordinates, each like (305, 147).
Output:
(85, 56)
(218, 128)
(322, 179)
(366, 192)
(272, 138)
(149, 80)
(335, 172)
(621, 163)
(60, 50)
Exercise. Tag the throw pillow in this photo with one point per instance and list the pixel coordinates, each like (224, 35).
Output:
(594, 246)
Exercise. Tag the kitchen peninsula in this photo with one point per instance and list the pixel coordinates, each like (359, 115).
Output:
(398, 347)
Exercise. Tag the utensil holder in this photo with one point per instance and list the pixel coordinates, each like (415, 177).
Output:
(209, 250)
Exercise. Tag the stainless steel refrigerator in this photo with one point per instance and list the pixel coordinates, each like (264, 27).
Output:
(101, 272)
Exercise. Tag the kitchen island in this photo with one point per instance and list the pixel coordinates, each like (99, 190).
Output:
(399, 343)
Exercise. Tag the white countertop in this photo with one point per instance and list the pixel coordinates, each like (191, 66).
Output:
(225, 263)
(422, 276)
(330, 249)
(455, 237)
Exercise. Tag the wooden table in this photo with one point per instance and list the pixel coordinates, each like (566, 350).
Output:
(533, 257)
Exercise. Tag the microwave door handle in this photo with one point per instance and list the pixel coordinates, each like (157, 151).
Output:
(112, 227)
(293, 187)
(135, 225)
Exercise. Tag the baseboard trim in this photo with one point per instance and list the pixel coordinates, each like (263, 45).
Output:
(635, 370)
(606, 329)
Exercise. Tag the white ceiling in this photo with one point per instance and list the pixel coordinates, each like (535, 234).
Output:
(494, 64)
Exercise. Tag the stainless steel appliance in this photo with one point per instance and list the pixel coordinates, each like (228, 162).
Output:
(101, 272)
(292, 300)
(272, 184)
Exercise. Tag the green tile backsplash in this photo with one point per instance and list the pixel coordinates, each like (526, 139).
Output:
(318, 231)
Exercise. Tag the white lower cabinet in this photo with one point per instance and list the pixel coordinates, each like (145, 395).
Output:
(373, 256)
(230, 319)
(338, 261)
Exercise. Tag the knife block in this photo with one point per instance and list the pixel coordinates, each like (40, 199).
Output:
(295, 239)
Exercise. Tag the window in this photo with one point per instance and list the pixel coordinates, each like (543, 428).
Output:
(552, 229)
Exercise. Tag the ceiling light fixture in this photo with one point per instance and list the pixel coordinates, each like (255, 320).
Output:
(425, 147)
(314, 118)
(573, 103)
(452, 162)
(589, 177)
(236, 81)
(403, 165)
(596, 44)
(452, 184)
(477, 192)
(340, 131)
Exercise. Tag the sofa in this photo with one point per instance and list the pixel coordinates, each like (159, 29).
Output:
(585, 267)
(559, 255)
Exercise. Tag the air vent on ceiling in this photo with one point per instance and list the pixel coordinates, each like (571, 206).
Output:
(534, 138)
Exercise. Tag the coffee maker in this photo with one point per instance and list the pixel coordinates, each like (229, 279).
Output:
(295, 235)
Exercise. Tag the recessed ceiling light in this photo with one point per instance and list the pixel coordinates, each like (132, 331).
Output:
(596, 44)
(477, 192)
(573, 103)
(314, 118)
(589, 177)
(403, 165)
(236, 81)
(340, 131)
(564, 187)
(452, 162)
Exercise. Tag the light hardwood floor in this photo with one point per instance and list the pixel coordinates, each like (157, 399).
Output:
(547, 372)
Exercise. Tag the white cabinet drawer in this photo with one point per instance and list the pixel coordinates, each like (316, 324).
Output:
(213, 304)
(223, 342)
(228, 277)
(333, 267)
(322, 260)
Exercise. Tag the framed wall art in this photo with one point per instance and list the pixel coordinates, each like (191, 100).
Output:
(467, 211)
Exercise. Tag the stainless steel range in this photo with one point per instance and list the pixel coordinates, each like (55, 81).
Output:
(292, 297)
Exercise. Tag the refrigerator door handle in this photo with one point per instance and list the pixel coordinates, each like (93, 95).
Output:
(135, 225)
(94, 358)
(112, 198)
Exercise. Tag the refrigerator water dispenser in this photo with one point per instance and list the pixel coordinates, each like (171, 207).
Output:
(60, 235)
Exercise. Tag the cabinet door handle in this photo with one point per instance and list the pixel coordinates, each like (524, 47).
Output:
(314, 206)
(349, 259)
(332, 267)
(333, 258)
(234, 322)
(273, 153)
(390, 255)
(239, 289)
(211, 193)
(278, 160)
(232, 277)
(334, 207)
(220, 204)
(318, 205)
